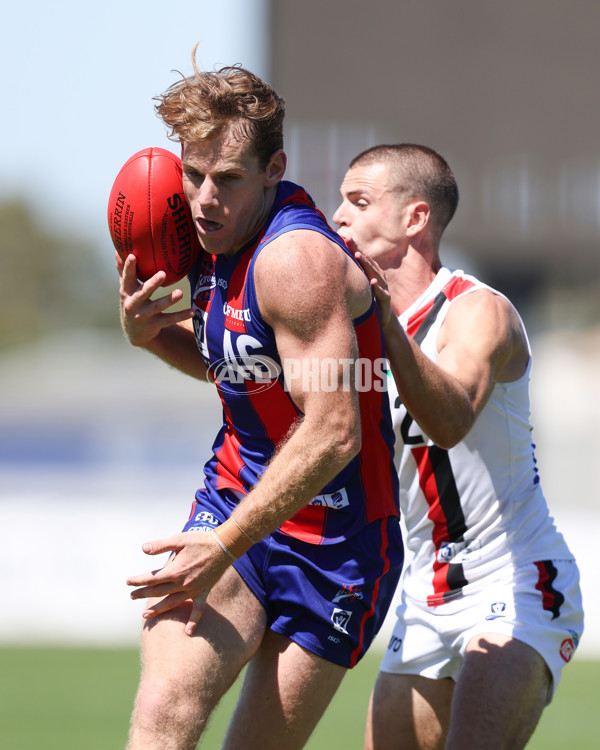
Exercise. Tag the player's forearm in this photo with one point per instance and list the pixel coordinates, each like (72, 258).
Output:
(434, 399)
(176, 345)
(313, 455)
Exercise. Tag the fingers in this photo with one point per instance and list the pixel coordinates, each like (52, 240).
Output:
(174, 600)
(198, 605)
(135, 293)
(165, 605)
(131, 284)
(375, 274)
(371, 268)
(163, 303)
(154, 583)
(189, 574)
(143, 318)
(381, 293)
(129, 280)
(171, 543)
(378, 284)
(364, 260)
(153, 589)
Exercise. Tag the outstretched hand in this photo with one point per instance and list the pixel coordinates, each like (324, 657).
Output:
(143, 318)
(189, 574)
(379, 285)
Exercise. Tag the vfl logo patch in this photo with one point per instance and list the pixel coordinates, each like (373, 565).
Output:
(498, 609)
(340, 619)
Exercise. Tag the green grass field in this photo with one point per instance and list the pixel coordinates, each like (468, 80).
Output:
(80, 699)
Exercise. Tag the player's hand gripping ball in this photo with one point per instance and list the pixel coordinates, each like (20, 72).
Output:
(149, 217)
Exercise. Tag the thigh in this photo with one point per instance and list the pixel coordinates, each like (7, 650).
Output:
(499, 696)
(206, 664)
(408, 712)
(286, 691)
(538, 604)
(419, 644)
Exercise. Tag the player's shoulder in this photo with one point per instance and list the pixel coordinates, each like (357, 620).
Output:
(479, 303)
(487, 320)
(302, 271)
(301, 259)
(302, 249)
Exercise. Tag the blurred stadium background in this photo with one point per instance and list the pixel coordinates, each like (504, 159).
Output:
(101, 447)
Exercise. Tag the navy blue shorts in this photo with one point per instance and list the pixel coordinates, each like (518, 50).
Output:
(330, 599)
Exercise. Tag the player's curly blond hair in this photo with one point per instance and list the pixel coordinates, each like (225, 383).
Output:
(201, 104)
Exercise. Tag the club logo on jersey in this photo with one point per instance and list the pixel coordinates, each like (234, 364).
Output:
(335, 500)
(348, 591)
(567, 649)
(205, 287)
(498, 609)
(340, 619)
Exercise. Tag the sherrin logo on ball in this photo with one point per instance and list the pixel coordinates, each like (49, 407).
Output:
(149, 217)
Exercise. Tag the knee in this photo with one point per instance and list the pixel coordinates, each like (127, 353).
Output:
(163, 708)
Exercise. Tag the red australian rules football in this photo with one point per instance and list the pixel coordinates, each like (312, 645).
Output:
(149, 217)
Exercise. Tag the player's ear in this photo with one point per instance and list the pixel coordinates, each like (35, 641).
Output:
(418, 218)
(275, 168)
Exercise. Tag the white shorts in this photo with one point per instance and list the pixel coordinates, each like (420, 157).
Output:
(539, 604)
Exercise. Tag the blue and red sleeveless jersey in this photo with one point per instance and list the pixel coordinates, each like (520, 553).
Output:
(240, 351)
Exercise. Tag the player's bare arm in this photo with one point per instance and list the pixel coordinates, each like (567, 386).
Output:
(480, 343)
(148, 325)
(311, 319)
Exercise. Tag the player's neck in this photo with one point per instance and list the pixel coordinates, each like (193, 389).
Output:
(410, 279)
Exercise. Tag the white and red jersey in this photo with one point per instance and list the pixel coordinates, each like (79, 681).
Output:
(474, 508)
